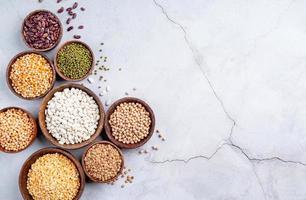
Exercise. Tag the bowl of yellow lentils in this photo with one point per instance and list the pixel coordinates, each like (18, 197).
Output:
(51, 173)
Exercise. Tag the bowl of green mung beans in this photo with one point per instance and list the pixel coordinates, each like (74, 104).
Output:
(74, 61)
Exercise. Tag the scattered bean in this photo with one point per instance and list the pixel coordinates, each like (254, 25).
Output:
(60, 10)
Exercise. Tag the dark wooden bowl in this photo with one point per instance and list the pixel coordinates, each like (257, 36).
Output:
(23, 175)
(9, 68)
(42, 117)
(94, 179)
(34, 130)
(59, 71)
(60, 35)
(108, 128)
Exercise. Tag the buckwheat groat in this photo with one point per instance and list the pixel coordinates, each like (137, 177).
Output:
(103, 162)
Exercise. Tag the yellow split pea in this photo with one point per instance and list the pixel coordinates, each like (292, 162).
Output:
(53, 177)
(31, 75)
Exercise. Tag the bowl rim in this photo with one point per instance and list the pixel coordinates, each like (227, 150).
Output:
(87, 173)
(58, 71)
(60, 35)
(42, 123)
(32, 118)
(34, 156)
(107, 126)
(9, 68)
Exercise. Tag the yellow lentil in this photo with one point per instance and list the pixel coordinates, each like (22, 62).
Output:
(53, 177)
(31, 75)
(16, 129)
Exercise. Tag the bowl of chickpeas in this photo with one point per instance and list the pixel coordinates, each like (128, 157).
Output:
(18, 129)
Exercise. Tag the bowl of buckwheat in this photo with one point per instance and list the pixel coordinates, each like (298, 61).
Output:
(102, 162)
(129, 123)
(71, 116)
(30, 75)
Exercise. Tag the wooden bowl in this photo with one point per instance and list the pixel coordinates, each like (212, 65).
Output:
(9, 68)
(34, 130)
(108, 128)
(23, 175)
(59, 71)
(42, 117)
(97, 180)
(60, 35)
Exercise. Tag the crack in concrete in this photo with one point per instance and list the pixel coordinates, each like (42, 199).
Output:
(258, 160)
(190, 158)
(198, 62)
(229, 140)
(251, 159)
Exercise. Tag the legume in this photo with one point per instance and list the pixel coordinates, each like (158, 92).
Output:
(72, 116)
(53, 177)
(41, 30)
(103, 162)
(74, 60)
(130, 123)
(31, 75)
(16, 129)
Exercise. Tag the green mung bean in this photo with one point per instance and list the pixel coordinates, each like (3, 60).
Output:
(74, 60)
